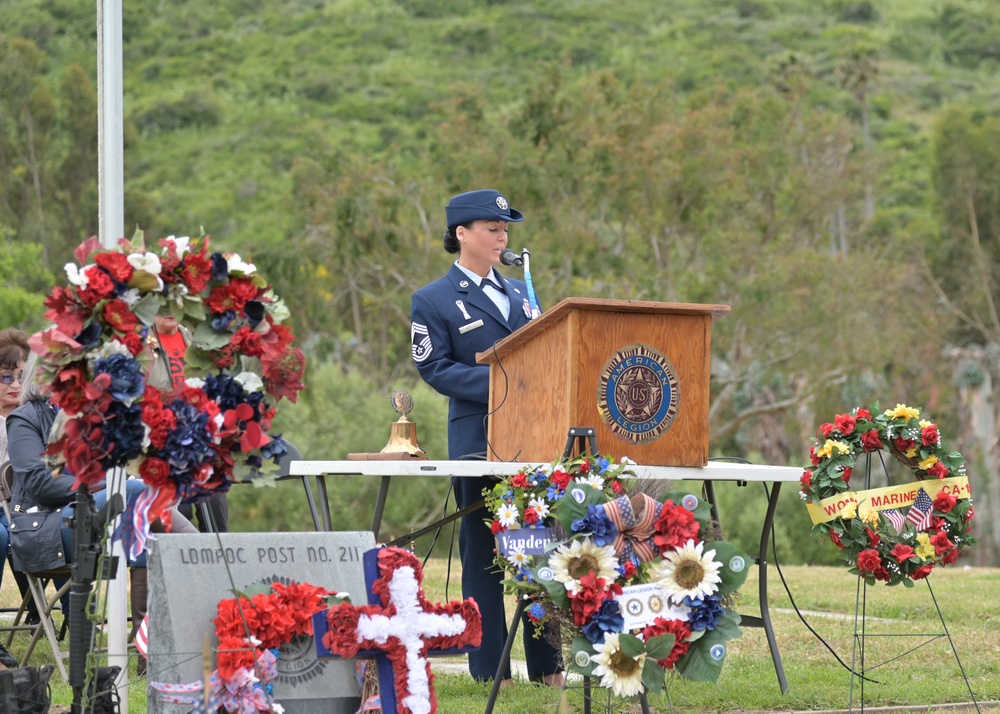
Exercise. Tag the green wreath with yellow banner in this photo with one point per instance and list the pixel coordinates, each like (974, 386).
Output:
(875, 537)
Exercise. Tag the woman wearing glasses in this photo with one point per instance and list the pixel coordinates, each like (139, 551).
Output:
(13, 352)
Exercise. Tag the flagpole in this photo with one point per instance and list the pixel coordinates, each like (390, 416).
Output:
(111, 213)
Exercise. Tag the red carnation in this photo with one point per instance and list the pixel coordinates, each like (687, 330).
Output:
(826, 429)
(132, 342)
(234, 654)
(247, 342)
(530, 516)
(679, 629)
(116, 264)
(588, 599)
(496, 527)
(99, 286)
(119, 315)
(233, 296)
(343, 625)
(675, 527)
(560, 479)
(519, 480)
(196, 271)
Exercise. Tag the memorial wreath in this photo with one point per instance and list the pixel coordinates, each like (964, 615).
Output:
(634, 583)
(400, 627)
(251, 629)
(185, 444)
(873, 536)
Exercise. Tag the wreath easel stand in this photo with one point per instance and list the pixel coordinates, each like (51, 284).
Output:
(860, 667)
(579, 439)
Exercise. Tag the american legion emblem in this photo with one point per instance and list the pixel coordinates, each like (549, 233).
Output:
(638, 394)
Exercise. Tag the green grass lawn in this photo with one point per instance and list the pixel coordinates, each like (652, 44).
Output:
(969, 600)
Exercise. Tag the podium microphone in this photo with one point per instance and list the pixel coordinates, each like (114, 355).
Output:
(509, 257)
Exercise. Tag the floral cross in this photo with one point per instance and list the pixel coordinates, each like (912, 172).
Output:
(400, 628)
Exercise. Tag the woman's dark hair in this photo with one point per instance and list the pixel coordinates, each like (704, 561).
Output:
(13, 348)
(450, 240)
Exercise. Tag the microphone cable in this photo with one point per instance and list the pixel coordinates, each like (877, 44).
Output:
(795, 607)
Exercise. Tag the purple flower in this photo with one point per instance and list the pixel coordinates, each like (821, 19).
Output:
(608, 618)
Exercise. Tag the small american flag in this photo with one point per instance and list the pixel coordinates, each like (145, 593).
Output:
(920, 511)
(142, 637)
(896, 519)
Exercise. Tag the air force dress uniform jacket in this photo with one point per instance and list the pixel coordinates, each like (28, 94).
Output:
(452, 320)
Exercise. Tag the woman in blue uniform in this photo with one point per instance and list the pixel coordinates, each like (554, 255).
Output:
(453, 318)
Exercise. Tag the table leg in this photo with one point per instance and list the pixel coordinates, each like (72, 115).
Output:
(765, 610)
(383, 493)
(324, 502)
(311, 502)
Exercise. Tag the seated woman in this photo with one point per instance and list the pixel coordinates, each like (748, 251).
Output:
(13, 352)
(36, 490)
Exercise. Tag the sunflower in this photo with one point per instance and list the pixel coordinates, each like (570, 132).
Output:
(623, 674)
(688, 571)
(581, 557)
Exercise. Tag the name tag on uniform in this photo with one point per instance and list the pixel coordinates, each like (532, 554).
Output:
(471, 326)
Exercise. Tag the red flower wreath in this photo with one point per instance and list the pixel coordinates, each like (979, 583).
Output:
(871, 534)
(185, 444)
(405, 637)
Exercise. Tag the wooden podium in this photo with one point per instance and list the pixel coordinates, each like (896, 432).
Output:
(637, 372)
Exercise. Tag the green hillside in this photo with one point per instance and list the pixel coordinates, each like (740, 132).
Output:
(825, 167)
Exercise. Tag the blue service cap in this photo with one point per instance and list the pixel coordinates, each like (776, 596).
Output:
(483, 205)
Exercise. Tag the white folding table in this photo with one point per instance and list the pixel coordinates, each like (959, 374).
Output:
(742, 473)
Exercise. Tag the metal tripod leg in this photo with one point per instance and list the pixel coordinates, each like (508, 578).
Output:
(505, 656)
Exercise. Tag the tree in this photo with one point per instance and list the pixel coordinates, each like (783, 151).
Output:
(963, 270)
